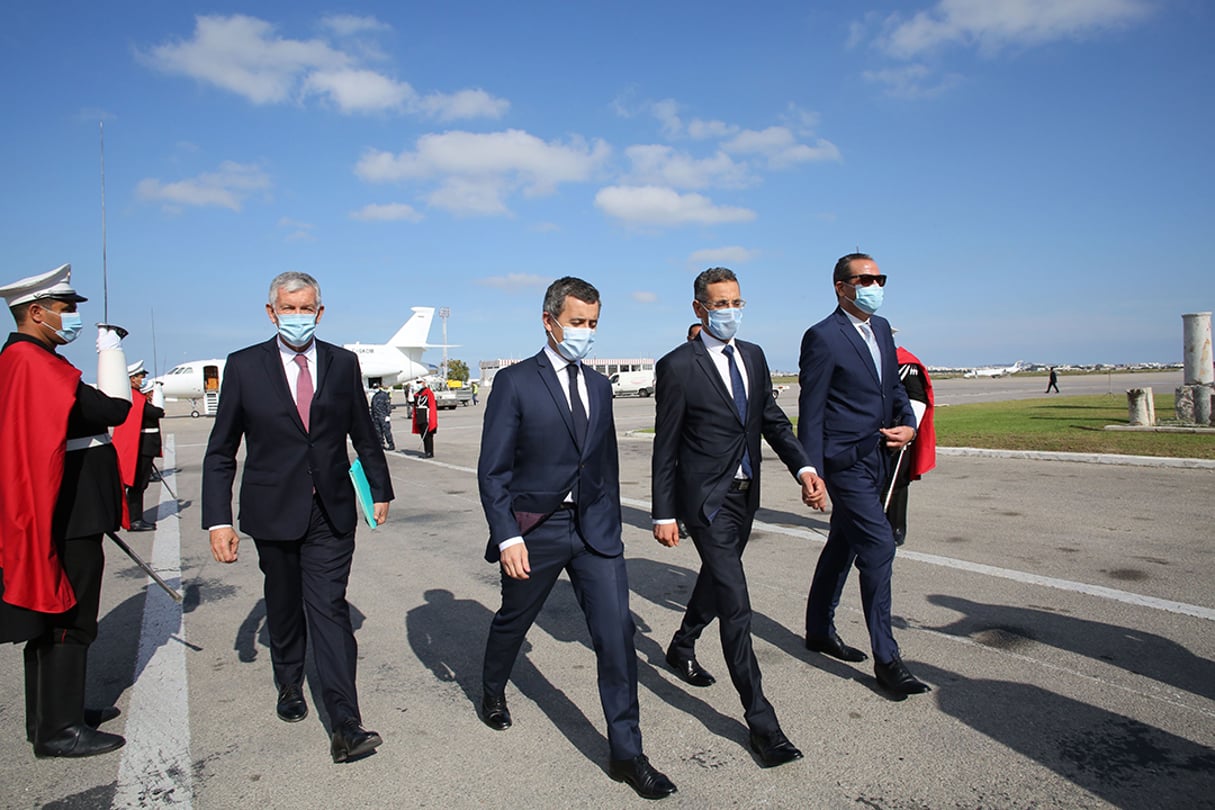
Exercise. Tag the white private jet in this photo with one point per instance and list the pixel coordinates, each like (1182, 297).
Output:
(994, 371)
(398, 360)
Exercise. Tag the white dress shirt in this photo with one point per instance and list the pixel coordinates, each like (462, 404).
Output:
(292, 369)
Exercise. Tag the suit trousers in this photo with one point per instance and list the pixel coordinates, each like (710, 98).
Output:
(721, 593)
(860, 531)
(307, 578)
(601, 585)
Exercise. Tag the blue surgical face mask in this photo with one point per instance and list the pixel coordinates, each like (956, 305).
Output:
(723, 323)
(70, 324)
(577, 343)
(868, 299)
(296, 329)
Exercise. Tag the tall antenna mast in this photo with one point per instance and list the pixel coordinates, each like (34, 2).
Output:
(105, 285)
(155, 367)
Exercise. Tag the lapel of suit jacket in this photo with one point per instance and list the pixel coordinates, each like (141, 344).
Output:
(278, 381)
(709, 369)
(324, 364)
(750, 356)
(548, 376)
(853, 336)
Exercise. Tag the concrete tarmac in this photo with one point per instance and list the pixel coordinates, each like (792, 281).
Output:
(1062, 612)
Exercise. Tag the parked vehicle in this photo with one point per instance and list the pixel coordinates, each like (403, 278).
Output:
(449, 398)
(630, 383)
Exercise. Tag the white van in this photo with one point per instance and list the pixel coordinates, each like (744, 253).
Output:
(627, 383)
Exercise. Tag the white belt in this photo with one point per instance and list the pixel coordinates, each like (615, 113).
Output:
(150, 430)
(85, 442)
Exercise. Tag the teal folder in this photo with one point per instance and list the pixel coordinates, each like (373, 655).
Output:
(362, 492)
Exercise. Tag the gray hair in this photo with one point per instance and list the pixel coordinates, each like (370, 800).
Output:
(559, 290)
(293, 281)
(700, 287)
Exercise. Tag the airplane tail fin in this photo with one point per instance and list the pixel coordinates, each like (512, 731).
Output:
(415, 331)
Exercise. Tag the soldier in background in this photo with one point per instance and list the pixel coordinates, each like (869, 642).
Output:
(52, 523)
(381, 415)
(138, 442)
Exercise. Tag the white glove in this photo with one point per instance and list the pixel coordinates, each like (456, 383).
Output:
(109, 337)
(158, 395)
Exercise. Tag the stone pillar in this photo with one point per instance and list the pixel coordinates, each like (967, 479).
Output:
(1140, 407)
(1196, 349)
(1194, 396)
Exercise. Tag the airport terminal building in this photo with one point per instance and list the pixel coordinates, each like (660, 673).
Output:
(606, 366)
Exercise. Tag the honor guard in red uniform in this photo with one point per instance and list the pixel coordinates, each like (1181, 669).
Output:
(59, 493)
(138, 442)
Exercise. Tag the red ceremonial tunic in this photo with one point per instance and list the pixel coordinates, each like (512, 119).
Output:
(425, 399)
(924, 448)
(126, 442)
(37, 391)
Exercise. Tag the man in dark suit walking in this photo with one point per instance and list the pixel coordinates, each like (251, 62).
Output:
(549, 477)
(853, 409)
(714, 401)
(295, 400)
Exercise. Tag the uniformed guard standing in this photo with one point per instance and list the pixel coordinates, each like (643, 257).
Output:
(381, 416)
(917, 458)
(138, 442)
(52, 521)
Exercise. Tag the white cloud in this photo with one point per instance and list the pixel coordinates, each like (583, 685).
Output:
(667, 113)
(346, 25)
(300, 231)
(911, 81)
(355, 91)
(464, 104)
(228, 187)
(387, 212)
(477, 171)
(660, 165)
(644, 297)
(990, 25)
(246, 56)
(657, 206)
(699, 129)
(780, 147)
(514, 281)
(722, 256)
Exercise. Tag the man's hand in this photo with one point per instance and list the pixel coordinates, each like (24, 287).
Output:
(514, 561)
(667, 534)
(814, 491)
(224, 542)
(380, 513)
(898, 436)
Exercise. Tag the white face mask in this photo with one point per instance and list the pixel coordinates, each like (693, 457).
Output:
(577, 343)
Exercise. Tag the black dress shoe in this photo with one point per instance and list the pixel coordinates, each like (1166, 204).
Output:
(291, 705)
(494, 712)
(895, 677)
(642, 777)
(351, 741)
(835, 647)
(689, 670)
(142, 526)
(95, 717)
(774, 749)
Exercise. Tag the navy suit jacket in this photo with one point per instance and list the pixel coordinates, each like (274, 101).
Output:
(530, 460)
(283, 462)
(842, 405)
(699, 436)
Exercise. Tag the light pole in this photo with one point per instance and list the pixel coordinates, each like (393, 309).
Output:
(444, 313)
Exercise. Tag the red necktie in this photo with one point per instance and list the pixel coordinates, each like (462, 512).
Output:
(303, 389)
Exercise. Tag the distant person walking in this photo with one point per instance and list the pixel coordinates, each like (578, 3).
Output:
(1053, 382)
(426, 418)
(381, 416)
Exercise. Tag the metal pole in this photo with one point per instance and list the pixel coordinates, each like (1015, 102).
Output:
(444, 312)
(105, 285)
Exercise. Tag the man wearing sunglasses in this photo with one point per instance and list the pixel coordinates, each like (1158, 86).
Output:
(852, 410)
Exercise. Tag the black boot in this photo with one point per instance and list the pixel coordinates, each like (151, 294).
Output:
(61, 730)
(31, 690)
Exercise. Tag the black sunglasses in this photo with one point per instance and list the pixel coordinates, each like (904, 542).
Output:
(864, 280)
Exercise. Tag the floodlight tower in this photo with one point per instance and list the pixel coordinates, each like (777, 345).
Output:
(444, 313)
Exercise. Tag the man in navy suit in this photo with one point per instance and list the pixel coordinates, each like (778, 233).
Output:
(295, 400)
(852, 409)
(549, 477)
(714, 403)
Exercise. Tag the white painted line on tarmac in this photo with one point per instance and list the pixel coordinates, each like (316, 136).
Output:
(155, 769)
(1099, 591)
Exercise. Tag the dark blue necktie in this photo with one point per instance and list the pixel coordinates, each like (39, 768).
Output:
(576, 407)
(740, 402)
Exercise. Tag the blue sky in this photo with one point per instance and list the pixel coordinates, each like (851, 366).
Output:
(1034, 175)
